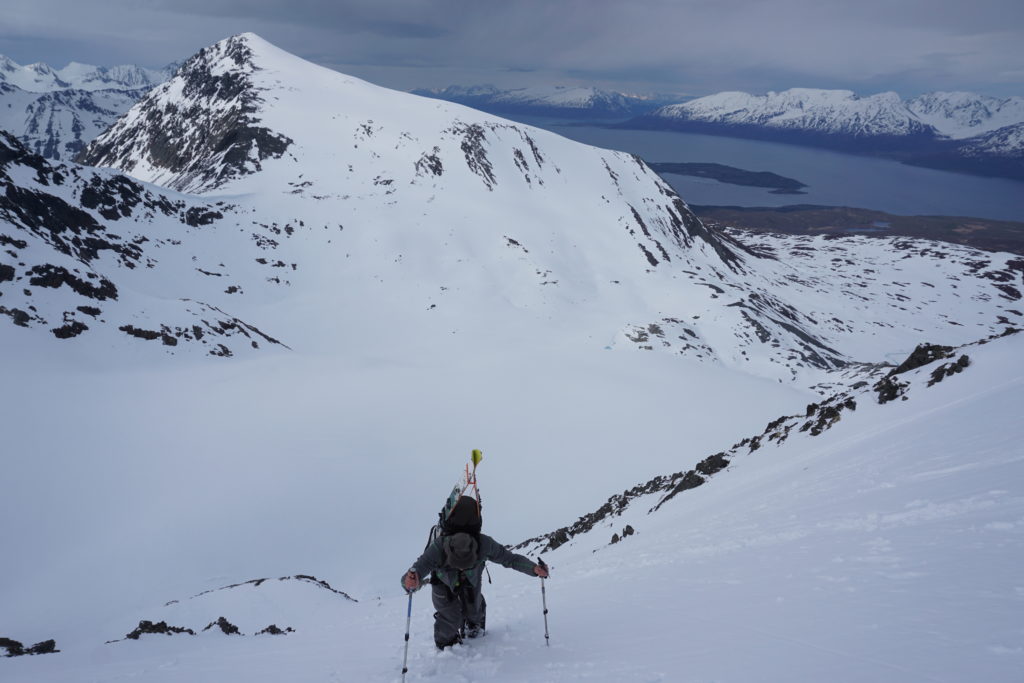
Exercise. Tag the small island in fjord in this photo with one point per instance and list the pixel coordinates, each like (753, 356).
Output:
(734, 176)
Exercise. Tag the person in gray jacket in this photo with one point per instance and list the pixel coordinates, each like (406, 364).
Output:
(456, 562)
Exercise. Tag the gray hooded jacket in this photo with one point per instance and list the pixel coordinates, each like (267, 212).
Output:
(433, 560)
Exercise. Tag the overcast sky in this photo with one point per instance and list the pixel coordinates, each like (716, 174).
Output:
(673, 46)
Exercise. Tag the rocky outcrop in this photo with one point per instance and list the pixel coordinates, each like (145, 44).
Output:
(16, 649)
(199, 130)
(157, 628)
(225, 626)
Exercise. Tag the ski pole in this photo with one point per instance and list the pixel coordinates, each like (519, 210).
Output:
(544, 600)
(408, 623)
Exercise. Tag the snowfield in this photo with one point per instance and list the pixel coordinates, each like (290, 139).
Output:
(885, 549)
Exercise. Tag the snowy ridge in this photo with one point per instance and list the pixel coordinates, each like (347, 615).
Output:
(928, 365)
(955, 115)
(962, 114)
(264, 606)
(806, 109)
(40, 78)
(182, 153)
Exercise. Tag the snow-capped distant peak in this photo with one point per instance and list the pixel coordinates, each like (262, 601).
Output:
(42, 78)
(805, 109)
(953, 115)
(963, 114)
(219, 140)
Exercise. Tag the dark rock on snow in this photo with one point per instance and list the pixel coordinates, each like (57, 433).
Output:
(16, 649)
(225, 626)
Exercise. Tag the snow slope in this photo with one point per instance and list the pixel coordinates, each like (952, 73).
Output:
(884, 549)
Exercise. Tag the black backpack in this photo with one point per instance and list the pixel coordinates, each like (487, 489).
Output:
(461, 515)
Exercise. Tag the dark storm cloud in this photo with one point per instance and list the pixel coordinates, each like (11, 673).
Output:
(672, 45)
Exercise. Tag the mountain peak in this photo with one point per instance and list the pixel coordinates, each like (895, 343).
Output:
(199, 129)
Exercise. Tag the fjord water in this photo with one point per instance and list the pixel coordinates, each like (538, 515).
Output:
(832, 178)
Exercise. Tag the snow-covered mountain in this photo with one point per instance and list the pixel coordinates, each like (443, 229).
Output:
(949, 130)
(309, 165)
(256, 360)
(839, 112)
(1007, 142)
(40, 78)
(56, 112)
(960, 115)
(571, 101)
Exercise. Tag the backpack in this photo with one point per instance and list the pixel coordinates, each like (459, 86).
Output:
(460, 514)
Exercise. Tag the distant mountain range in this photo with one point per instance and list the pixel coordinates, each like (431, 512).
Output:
(951, 130)
(556, 100)
(56, 112)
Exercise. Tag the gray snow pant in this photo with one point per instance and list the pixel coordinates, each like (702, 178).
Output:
(465, 606)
